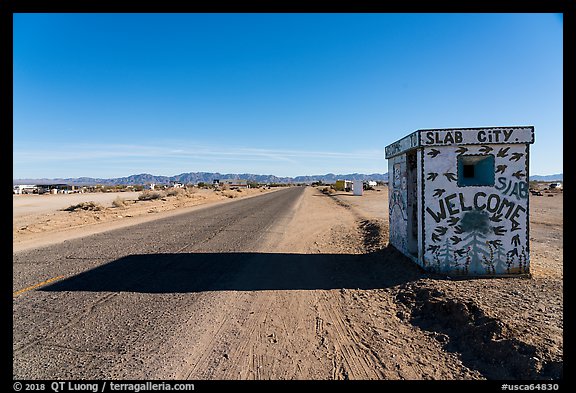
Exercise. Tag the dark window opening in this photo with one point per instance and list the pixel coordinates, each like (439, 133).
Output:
(468, 171)
(476, 170)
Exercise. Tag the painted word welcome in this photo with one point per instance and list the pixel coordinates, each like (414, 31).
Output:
(454, 204)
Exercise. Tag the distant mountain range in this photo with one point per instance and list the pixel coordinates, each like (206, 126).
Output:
(206, 177)
(556, 177)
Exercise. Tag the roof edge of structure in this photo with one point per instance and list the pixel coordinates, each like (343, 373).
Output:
(461, 136)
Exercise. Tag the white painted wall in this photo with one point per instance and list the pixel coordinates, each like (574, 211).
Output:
(485, 228)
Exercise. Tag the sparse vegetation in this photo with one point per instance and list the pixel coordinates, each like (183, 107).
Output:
(91, 205)
(150, 195)
(119, 202)
(175, 191)
(229, 194)
(535, 185)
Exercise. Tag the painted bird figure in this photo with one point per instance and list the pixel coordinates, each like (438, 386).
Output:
(433, 152)
(518, 175)
(503, 152)
(512, 253)
(499, 230)
(438, 192)
(441, 230)
(450, 176)
(516, 156)
(485, 149)
(455, 240)
(460, 252)
(458, 230)
(435, 237)
(495, 243)
(432, 176)
(501, 168)
(496, 217)
(433, 248)
(453, 220)
(461, 150)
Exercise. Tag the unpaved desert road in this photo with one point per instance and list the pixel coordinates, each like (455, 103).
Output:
(278, 286)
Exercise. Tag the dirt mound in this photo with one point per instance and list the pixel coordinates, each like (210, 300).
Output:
(484, 343)
(372, 232)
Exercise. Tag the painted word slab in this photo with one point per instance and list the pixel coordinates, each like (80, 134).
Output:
(477, 136)
(461, 136)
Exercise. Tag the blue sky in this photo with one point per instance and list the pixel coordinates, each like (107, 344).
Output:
(110, 95)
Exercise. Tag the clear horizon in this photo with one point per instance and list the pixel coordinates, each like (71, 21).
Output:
(114, 95)
(237, 173)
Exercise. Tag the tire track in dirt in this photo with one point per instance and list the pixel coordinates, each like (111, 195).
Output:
(351, 360)
(272, 334)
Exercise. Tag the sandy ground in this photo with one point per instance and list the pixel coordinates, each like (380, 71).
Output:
(503, 328)
(395, 322)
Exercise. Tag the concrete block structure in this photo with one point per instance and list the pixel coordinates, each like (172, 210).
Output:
(459, 200)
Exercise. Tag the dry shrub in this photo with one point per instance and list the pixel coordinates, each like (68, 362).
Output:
(119, 202)
(175, 192)
(229, 194)
(238, 190)
(149, 195)
(91, 205)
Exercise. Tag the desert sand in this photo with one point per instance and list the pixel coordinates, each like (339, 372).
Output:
(39, 220)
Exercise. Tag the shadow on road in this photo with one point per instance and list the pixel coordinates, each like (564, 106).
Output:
(197, 272)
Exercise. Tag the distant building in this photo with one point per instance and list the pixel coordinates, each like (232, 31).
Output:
(59, 188)
(25, 189)
(176, 184)
(150, 186)
(556, 186)
(343, 185)
(234, 183)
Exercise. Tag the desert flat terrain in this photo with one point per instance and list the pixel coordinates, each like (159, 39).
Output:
(296, 284)
(39, 220)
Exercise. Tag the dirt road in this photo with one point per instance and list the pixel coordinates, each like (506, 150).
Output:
(295, 284)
